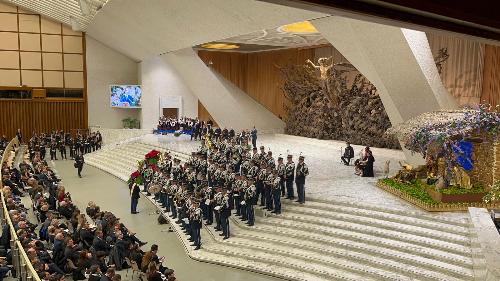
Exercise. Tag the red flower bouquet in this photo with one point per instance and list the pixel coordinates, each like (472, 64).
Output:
(152, 154)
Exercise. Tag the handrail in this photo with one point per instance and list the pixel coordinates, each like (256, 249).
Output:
(22, 265)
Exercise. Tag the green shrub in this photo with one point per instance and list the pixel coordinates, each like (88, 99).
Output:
(454, 190)
(416, 189)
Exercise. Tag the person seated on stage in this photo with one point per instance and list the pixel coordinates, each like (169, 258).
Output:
(365, 166)
(359, 163)
(348, 154)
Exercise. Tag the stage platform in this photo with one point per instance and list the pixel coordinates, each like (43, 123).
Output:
(329, 179)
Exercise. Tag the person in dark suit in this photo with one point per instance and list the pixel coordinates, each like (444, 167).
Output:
(79, 163)
(253, 134)
(348, 154)
(134, 198)
(100, 246)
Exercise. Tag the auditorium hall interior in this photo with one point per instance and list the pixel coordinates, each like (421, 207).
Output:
(249, 140)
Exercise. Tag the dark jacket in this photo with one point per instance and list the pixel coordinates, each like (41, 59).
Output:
(136, 191)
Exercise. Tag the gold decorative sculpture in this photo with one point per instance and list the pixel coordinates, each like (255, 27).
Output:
(323, 66)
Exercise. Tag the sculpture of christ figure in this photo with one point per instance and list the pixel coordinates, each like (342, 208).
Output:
(323, 66)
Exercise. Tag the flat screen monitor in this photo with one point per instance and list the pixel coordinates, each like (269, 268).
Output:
(126, 96)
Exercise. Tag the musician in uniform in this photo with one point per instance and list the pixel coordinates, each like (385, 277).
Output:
(281, 174)
(268, 193)
(225, 213)
(276, 192)
(172, 193)
(196, 222)
(289, 177)
(301, 172)
(261, 177)
(209, 202)
(62, 149)
(250, 201)
(217, 203)
(53, 150)
(236, 186)
(270, 160)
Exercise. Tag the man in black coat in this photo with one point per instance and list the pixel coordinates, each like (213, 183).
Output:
(348, 154)
(79, 163)
(134, 198)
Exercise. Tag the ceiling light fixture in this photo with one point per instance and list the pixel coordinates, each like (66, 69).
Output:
(220, 46)
(302, 27)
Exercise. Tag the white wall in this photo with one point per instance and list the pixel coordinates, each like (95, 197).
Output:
(228, 105)
(106, 66)
(159, 79)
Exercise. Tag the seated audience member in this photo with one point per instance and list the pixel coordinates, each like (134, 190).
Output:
(100, 246)
(92, 209)
(152, 273)
(109, 275)
(95, 273)
(169, 274)
(151, 257)
(4, 269)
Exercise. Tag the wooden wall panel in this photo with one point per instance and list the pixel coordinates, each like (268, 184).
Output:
(203, 113)
(491, 76)
(258, 74)
(41, 116)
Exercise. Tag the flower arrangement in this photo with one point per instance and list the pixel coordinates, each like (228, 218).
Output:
(444, 133)
(152, 157)
(494, 195)
(135, 177)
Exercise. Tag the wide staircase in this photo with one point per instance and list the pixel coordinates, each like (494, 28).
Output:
(121, 160)
(331, 240)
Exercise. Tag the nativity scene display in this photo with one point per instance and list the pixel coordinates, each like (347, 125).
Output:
(461, 152)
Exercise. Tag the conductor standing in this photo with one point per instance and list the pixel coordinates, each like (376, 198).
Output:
(79, 163)
(134, 197)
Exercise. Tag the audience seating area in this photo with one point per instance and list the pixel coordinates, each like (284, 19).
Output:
(46, 237)
(320, 240)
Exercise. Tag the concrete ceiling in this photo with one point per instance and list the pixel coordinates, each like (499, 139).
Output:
(271, 39)
(144, 28)
(76, 13)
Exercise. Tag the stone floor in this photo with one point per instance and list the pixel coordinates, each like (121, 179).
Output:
(328, 179)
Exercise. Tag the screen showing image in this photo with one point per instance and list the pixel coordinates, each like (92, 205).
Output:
(126, 95)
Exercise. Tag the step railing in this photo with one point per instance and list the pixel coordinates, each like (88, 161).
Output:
(22, 266)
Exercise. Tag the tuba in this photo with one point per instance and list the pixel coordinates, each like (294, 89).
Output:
(154, 188)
